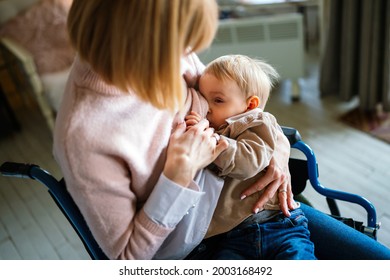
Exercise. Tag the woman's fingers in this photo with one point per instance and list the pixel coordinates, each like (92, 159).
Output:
(179, 130)
(274, 181)
(289, 202)
(222, 145)
(290, 197)
(260, 184)
(283, 200)
(265, 196)
(201, 126)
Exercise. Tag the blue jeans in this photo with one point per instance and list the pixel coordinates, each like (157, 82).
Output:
(332, 239)
(278, 238)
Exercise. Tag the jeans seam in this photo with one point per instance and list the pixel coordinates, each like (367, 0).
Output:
(259, 242)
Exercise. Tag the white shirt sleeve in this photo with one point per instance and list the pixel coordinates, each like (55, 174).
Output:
(192, 228)
(169, 202)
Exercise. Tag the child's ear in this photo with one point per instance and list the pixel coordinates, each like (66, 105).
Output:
(253, 102)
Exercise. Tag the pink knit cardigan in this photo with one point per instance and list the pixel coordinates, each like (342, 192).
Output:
(111, 149)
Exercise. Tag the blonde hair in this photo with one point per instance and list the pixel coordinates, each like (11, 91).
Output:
(253, 76)
(137, 45)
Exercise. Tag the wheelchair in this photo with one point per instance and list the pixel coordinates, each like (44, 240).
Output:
(301, 170)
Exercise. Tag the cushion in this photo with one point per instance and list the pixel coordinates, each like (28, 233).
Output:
(10, 8)
(41, 29)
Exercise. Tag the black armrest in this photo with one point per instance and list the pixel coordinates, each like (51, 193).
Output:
(292, 134)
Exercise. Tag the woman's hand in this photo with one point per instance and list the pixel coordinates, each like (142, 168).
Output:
(191, 150)
(276, 179)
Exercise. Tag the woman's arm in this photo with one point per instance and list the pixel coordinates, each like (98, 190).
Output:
(276, 178)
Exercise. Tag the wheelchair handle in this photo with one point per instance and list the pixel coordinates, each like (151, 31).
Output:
(331, 193)
(14, 169)
(30, 171)
(292, 134)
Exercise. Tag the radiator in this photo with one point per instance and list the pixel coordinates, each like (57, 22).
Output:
(277, 39)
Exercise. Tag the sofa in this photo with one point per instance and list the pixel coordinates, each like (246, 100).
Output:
(33, 36)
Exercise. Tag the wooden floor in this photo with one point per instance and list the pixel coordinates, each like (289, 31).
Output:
(32, 227)
(31, 224)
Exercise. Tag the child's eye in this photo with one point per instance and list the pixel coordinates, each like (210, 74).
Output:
(218, 100)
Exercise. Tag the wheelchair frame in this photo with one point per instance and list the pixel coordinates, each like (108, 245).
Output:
(306, 169)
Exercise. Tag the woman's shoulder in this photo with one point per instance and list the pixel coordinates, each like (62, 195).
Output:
(85, 78)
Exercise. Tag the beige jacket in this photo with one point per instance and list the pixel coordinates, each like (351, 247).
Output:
(252, 137)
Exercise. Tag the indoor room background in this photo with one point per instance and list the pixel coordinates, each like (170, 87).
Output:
(333, 57)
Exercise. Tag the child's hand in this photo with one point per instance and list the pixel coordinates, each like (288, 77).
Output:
(192, 119)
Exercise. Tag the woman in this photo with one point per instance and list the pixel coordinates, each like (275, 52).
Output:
(124, 103)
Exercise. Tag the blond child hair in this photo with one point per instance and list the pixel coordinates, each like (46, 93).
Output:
(253, 76)
(137, 45)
